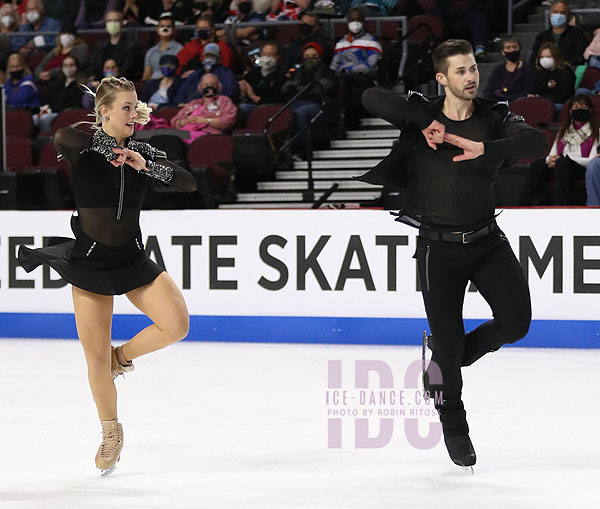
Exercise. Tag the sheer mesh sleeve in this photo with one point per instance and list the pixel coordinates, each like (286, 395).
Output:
(69, 142)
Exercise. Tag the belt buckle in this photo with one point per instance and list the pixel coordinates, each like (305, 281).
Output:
(464, 236)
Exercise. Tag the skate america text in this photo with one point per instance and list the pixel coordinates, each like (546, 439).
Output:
(374, 410)
(353, 264)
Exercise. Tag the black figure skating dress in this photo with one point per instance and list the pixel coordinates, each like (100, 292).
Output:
(107, 255)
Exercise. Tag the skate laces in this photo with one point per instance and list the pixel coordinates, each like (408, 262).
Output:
(110, 442)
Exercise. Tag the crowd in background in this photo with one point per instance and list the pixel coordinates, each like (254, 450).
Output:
(217, 81)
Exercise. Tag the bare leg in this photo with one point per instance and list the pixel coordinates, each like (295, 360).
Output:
(163, 303)
(93, 316)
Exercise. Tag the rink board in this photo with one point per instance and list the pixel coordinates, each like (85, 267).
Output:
(320, 276)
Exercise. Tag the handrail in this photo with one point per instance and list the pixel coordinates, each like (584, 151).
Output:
(511, 9)
(309, 196)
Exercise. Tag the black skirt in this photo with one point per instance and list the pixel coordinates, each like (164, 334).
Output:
(93, 266)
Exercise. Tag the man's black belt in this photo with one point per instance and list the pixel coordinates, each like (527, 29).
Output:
(462, 237)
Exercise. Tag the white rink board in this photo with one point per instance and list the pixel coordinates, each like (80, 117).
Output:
(247, 229)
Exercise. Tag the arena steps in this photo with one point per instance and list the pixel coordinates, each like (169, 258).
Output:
(347, 158)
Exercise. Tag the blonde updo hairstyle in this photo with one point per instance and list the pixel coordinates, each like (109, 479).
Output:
(105, 96)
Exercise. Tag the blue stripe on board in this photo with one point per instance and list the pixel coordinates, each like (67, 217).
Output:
(286, 329)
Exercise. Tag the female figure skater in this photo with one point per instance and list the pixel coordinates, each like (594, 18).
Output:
(106, 258)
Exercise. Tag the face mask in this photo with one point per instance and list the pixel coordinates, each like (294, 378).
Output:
(204, 34)
(209, 91)
(512, 56)
(355, 27)
(33, 16)
(267, 63)
(245, 8)
(580, 115)
(109, 74)
(209, 62)
(310, 62)
(547, 62)
(17, 75)
(166, 31)
(113, 27)
(70, 71)
(558, 20)
(67, 40)
(168, 70)
(306, 29)
(6, 21)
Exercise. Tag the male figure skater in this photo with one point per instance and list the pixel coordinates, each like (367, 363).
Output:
(445, 162)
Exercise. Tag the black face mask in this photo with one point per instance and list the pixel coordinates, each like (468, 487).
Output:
(512, 56)
(204, 34)
(245, 8)
(306, 29)
(17, 75)
(209, 91)
(580, 115)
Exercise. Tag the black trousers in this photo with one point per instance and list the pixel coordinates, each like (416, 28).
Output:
(564, 174)
(445, 269)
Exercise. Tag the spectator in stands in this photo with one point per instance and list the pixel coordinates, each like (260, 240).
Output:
(211, 63)
(375, 8)
(287, 9)
(161, 92)
(575, 147)
(262, 83)
(167, 45)
(110, 69)
(20, 89)
(473, 15)
(355, 61)
(67, 43)
(150, 11)
(214, 8)
(8, 25)
(553, 79)
(592, 53)
(212, 114)
(63, 91)
(92, 13)
(513, 78)
(592, 182)
(309, 32)
(65, 11)
(120, 47)
(320, 96)
(246, 11)
(570, 40)
(191, 55)
(36, 22)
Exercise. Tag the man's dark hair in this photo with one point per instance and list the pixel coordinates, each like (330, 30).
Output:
(205, 17)
(271, 43)
(509, 38)
(356, 10)
(310, 14)
(448, 49)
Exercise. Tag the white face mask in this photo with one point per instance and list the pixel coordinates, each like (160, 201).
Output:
(267, 63)
(67, 40)
(355, 27)
(6, 21)
(33, 16)
(547, 62)
(70, 71)
(113, 27)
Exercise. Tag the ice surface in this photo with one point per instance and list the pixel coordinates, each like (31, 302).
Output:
(224, 425)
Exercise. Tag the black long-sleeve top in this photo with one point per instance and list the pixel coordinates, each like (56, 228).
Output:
(557, 85)
(108, 198)
(508, 86)
(571, 43)
(439, 192)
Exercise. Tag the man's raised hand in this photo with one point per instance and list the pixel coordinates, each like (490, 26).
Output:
(434, 134)
(472, 149)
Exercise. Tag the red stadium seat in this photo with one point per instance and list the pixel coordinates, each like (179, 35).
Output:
(537, 111)
(209, 150)
(166, 113)
(19, 154)
(19, 123)
(259, 117)
(590, 76)
(424, 28)
(69, 117)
